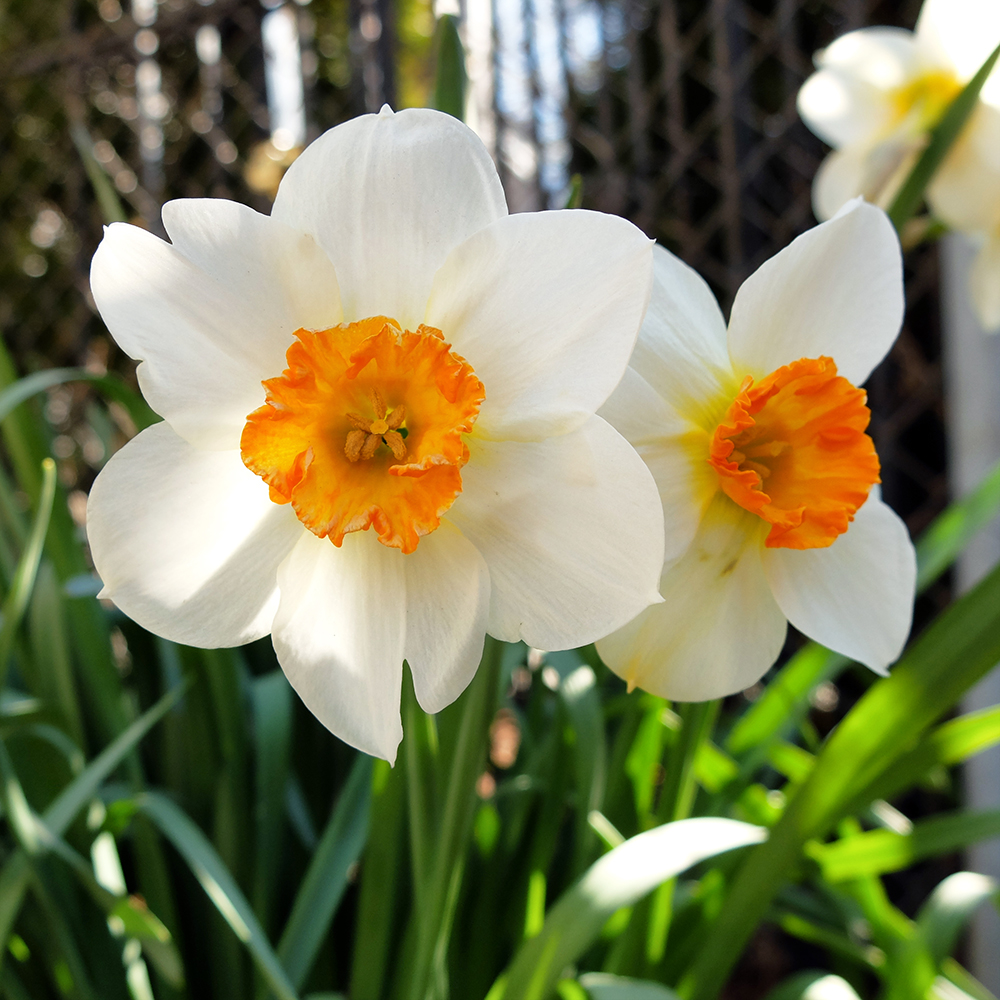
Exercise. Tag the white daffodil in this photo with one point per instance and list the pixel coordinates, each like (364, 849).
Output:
(379, 437)
(756, 438)
(875, 97)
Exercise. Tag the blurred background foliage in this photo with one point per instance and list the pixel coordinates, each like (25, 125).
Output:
(175, 824)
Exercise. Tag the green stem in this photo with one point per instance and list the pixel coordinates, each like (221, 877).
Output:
(434, 917)
(676, 802)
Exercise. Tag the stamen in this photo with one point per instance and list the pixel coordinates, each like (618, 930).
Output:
(353, 445)
(396, 444)
(378, 403)
(396, 418)
(371, 446)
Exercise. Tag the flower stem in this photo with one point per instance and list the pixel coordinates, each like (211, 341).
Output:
(436, 911)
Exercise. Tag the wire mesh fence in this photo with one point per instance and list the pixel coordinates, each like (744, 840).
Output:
(679, 115)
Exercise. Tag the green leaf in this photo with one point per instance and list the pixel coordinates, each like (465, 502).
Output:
(15, 873)
(880, 851)
(219, 885)
(960, 646)
(107, 196)
(942, 918)
(814, 986)
(785, 699)
(602, 986)
(16, 601)
(907, 201)
(582, 702)
(950, 744)
(325, 881)
(946, 538)
(620, 878)
(450, 78)
(110, 385)
(271, 697)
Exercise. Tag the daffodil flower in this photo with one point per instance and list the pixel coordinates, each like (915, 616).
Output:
(875, 97)
(379, 437)
(756, 438)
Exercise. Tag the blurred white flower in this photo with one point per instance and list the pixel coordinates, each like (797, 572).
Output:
(431, 369)
(756, 439)
(875, 97)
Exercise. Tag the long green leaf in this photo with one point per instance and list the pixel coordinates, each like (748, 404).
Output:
(620, 878)
(272, 730)
(110, 385)
(219, 885)
(907, 201)
(601, 986)
(325, 881)
(16, 602)
(951, 655)
(15, 872)
(881, 851)
(942, 918)
(450, 78)
(951, 743)
(946, 538)
(814, 986)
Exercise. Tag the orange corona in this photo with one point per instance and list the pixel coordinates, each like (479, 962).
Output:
(792, 449)
(365, 429)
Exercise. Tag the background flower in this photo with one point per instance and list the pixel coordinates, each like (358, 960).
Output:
(555, 534)
(875, 97)
(834, 293)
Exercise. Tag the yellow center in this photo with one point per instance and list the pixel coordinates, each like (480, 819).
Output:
(365, 429)
(923, 100)
(793, 450)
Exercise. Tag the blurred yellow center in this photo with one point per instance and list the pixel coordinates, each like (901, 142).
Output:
(924, 99)
(364, 429)
(793, 450)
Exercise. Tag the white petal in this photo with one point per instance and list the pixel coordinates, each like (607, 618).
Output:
(718, 628)
(681, 351)
(187, 541)
(880, 57)
(546, 308)
(211, 317)
(388, 197)
(571, 529)
(984, 284)
(339, 634)
(221, 237)
(447, 611)
(961, 33)
(856, 597)
(673, 449)
(837, 290)
(841, 177)
(849, 101)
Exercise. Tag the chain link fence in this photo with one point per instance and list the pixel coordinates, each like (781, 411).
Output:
(679, 115)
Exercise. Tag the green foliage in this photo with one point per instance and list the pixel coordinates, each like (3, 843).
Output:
(161, 803)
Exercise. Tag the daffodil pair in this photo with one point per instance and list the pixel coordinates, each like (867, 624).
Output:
(381, 436)
(875, 97)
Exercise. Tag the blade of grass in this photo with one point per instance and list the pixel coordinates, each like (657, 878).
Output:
(377, 906)
(219, 885)
(271, 696)
(16, 601)
(326, 879)
(15, 873)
